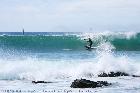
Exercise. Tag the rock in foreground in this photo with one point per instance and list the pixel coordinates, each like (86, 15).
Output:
(83, 83)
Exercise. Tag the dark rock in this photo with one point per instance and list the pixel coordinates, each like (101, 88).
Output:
(36, 82)
(113, 74)
(103, 83)
(83, 83)
(135, 76)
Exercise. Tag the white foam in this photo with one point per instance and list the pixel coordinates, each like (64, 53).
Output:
(31, 69)
(98, 35)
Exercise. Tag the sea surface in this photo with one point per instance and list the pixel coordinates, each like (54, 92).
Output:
(61, 57)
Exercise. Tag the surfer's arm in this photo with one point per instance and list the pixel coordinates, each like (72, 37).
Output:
(86, 40)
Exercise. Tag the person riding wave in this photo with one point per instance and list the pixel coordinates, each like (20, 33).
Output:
(90, 43)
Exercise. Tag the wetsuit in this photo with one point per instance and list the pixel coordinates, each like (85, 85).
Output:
(90, 42)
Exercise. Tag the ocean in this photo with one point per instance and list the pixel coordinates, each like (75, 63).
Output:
(61, 57)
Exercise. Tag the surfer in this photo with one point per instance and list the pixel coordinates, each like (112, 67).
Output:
(90, 43)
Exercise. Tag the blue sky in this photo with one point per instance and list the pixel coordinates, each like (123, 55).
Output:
(69, 15)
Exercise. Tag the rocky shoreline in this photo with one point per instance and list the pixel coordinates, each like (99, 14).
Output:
(83, 83)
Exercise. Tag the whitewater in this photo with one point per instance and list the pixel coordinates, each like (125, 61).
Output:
(60, 58)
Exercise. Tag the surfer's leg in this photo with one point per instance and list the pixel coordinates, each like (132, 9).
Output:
(90, 45)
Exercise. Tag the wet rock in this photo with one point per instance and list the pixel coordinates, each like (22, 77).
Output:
(36, 82)
(113, 74)
(135, 76)
(83, 83)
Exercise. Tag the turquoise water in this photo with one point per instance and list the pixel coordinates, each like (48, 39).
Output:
(45, 42)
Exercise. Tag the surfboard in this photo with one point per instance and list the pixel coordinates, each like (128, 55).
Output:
(89, 48)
